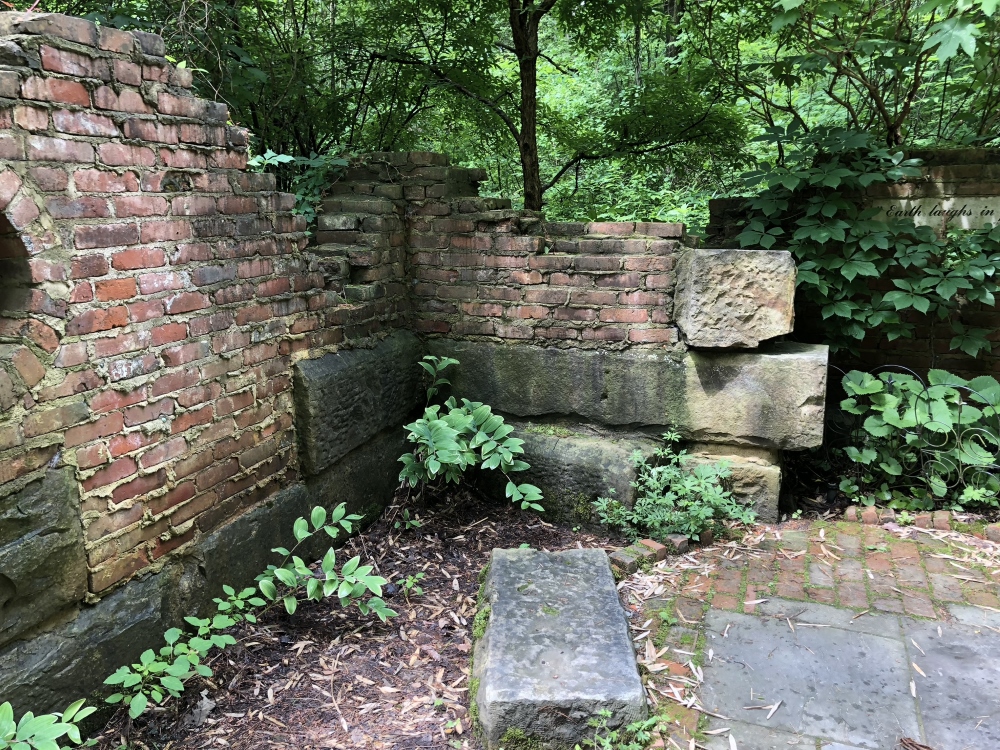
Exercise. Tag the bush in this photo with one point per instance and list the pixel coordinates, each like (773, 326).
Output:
(453, 437)
(916, 445)
(672, 498)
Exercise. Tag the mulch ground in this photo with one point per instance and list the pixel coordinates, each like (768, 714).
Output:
(331, 678)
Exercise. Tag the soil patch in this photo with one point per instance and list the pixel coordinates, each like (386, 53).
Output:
(327, 677)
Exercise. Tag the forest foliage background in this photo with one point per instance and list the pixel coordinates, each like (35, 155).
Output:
(590, 109)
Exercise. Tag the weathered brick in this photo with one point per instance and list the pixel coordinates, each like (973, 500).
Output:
(92, 321)
(105, 235)
(128, 100)
(124, 155)
(42, 422)
(140, 486)
(55, 90)
(31, 118)
(186, 302)
(140, 205)
(114, 472)
(43, 148)
(84, 123)
(27, 366)
(114, 289)
(98, 181)
(124, 369)
(138, 258)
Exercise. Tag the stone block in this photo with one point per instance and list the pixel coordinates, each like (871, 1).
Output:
(677, 544)
(623, 561)
(345, 398)
(659, 551)
(556, 650)
(754, 474)
(43, 568)
(993, 532)
(574, 464)
(734, 298)
(771, 398)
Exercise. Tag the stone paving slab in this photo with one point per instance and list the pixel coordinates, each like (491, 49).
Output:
(556, 650)
(849, 687)
(846, 686)
(959, 699)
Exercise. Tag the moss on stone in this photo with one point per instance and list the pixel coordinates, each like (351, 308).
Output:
(515, 739)
(546, 609)
(549, 429)
(480, 623)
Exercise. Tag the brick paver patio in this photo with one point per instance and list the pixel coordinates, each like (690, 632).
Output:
(866, 634)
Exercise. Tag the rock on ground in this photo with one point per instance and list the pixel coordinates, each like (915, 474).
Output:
(556, 650)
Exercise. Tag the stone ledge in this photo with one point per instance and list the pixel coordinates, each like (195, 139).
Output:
(771, 398)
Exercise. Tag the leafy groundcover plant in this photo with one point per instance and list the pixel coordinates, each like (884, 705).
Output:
(673, 498)
(165, 673)
(455, 436)
(919, 445)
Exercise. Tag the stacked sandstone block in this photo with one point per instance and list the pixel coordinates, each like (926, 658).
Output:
(154, 294)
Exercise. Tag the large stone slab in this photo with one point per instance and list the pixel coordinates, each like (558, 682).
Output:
(43, 567)
(772, 398)
(754, 474)
(345, 398)
(836, 683)
(556, 650)
(960, 695)
(574, 464)
(734, 298)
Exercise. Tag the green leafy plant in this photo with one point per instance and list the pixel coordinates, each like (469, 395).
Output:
(920, 444)
(673, 498)
(42, 732)
(350, 587)
(635, 736)
(409, 585)
(453, 437)
(406, 523)
(309, 177)
(814, 204)
(162, 674)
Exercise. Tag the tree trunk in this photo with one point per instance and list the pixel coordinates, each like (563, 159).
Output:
(524, 25)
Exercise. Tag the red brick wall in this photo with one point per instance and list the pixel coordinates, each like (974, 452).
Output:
(155, 294)
(479, 269)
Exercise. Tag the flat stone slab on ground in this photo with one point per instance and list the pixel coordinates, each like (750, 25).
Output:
(844, 680)
(556, 650)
